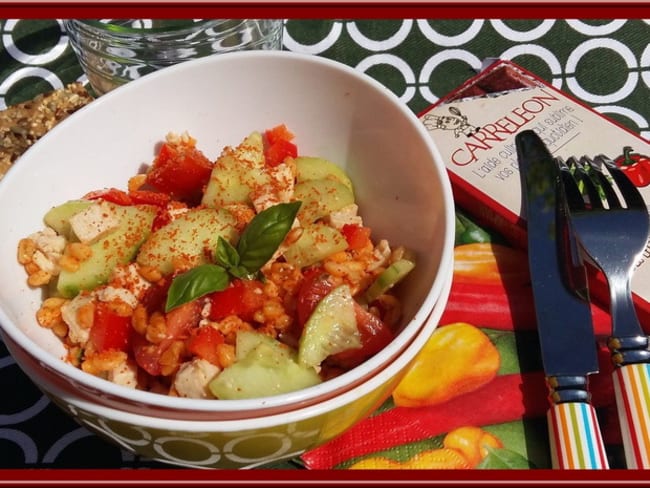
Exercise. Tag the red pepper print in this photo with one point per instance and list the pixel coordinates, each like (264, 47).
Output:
(636, 166)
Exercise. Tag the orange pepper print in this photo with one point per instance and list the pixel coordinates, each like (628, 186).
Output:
(457, 358)
(472, 442)
(463, 448)
(487, 262)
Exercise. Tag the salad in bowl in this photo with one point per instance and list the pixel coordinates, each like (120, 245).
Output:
(246, 276)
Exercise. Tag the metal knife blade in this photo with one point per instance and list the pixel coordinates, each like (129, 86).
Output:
(564, 326)
(564, 321)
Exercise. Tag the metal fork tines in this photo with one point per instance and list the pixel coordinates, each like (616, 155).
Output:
(610, 219)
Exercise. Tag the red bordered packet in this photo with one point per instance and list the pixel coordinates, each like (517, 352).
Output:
(474, 128)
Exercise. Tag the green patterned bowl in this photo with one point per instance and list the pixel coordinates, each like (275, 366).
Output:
(234, 444)
(336, 112)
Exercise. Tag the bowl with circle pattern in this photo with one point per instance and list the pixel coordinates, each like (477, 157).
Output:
(336, 112)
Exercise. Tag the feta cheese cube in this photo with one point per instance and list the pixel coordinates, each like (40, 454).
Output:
(93, 222)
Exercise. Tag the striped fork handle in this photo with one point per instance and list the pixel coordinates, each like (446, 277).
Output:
(631, 378)
(632, 388)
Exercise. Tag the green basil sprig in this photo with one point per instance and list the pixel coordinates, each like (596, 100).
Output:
(257, 244)
(195, 283)
(264, 234)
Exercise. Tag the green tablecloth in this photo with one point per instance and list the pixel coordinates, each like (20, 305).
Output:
(605, 64)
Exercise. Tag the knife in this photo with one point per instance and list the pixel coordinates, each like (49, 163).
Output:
(564, 324)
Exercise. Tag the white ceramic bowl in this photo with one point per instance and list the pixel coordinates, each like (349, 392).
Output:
(240, 443)
(336, 112)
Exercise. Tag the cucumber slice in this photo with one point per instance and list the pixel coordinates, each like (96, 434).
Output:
(117, 247)
(320, 198)
(192, 236)
(389, 278)
(248, 340)
(316, 243)
(331, 328)
(59, 217)
(314, 168)
(236, 173)
(268, 368)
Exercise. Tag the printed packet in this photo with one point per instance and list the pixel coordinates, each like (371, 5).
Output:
(474, 128)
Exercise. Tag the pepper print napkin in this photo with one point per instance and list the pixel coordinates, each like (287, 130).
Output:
(475, 398)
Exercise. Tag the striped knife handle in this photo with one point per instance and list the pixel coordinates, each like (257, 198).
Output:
(632, 389)
(575, 438)
(574, 433)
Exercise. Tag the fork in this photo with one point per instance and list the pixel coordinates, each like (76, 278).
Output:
(611, 222)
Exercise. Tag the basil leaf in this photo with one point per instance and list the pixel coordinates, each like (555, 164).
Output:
(264, 234)
(241, 272)
(195, 283)
(227, 255)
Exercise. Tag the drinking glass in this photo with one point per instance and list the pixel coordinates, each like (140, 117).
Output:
(115, 51)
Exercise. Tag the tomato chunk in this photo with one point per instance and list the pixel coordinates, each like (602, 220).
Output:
(276, 153)
(109, 330)
(179, 323)
(357, 236)
(112, 195)
(375, 335)
(242, 298)
(278, 133)
(146, 197)
(181, 319)
(315, 285)
(279, 145)
(203, 343)
(180, 170)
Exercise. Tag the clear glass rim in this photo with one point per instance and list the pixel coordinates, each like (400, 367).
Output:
(188, 25)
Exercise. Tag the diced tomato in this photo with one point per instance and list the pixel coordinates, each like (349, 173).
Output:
(277, 152)
(182, 318)
(146, 354)
(375, 335)
(180, 170)
(146, 197)
(279, 145)
(154, 297)
(162, 218)
(179, 322)
(357, 236)
(315, 285)
(203, 343)
(278, 133)
(112, 195)
(109, 330)
(242, 298)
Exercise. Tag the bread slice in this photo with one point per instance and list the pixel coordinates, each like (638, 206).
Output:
(21, 125)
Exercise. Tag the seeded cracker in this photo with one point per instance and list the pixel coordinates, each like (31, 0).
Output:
(21, 125)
